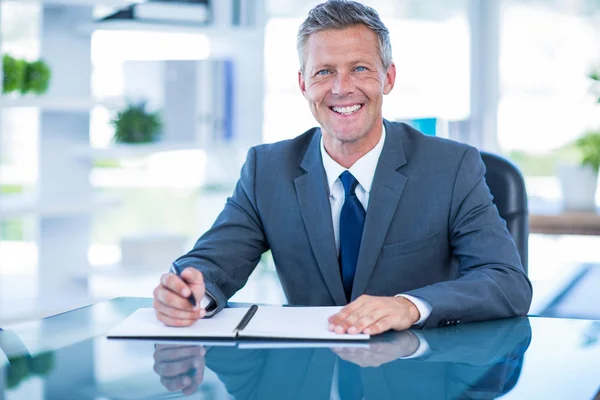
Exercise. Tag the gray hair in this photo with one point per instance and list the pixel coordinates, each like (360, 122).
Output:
(340, 14)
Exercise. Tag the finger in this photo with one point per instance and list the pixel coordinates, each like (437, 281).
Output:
(368, 310)
(192, 388)
(381, 325)
(164, 346)
(170, 321)
(347, 310)
(197, 377)
(343, 325)
(368, 318)
(178, 353)
(177, 313)
(192, 276)
(173, 369)
(195, 280)
(175, 284)
(369, 305)
(175, 384)
(172, 299)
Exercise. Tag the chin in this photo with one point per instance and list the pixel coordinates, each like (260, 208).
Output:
(347, 135)
(348, 138)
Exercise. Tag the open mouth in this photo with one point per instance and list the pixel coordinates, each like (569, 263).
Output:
(348, 110)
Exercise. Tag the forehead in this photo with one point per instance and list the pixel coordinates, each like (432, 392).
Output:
(351, 42)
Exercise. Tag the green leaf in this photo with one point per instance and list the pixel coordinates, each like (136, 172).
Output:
(13, 73)
(589, 147)
(37, 78)
(134, 124)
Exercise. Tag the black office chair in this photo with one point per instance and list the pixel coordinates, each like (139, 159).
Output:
(510, 196)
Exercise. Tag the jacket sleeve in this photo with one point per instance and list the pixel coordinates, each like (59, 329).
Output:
(492, 283)
(230, 250)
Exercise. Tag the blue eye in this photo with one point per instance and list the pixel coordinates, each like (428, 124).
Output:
(322, 72)
(361, 69)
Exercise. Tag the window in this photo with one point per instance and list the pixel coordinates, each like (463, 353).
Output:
(547, 50)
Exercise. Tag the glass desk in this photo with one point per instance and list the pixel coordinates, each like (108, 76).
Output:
(67, 356)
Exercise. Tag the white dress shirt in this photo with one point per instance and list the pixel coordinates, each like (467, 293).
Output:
(364, 172)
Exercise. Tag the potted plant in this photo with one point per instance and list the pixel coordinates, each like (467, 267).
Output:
(13, 73)
(37, 78)
(23, 367)
(134, 124)
(579, 183)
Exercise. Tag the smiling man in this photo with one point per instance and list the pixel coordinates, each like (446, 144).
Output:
(397, 227)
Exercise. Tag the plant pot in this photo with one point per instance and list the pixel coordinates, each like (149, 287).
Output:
(578, 185)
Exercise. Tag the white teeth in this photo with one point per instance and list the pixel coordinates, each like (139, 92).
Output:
(347, 110)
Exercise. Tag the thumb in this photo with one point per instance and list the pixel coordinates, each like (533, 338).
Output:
(194, 279)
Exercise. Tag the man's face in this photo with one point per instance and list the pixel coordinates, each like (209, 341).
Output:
(344, 82)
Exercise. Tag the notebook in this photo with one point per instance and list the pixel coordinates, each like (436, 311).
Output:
(259, 322)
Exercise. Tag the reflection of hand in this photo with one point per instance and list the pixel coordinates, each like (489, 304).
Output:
(180, 367)
(402, 344)
(374, 315)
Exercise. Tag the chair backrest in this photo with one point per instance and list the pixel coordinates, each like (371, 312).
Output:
(510, 196)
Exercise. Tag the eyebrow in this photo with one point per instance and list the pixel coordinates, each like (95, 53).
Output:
(319, 67)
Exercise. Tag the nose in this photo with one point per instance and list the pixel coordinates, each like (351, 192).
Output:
(343, 84)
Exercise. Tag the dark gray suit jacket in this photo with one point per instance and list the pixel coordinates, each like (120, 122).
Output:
(431, 230)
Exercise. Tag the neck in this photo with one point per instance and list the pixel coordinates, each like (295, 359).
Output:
(347, 153)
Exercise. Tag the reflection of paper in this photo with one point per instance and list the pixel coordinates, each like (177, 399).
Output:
(143, 323)
(192, 342)
(293, 344)
(295, 323)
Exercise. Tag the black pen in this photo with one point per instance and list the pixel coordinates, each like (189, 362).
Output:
(249, 314)
(176, 269)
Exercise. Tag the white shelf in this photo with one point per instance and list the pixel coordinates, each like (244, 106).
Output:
(58, 103)
(184, 27)
(135, 150)
(110, 3)
(17, 205)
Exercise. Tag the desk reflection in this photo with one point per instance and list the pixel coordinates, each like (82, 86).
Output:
(478, 361)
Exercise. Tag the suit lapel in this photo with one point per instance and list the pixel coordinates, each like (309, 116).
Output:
(316, 383)
(386, 190)
(313, 199)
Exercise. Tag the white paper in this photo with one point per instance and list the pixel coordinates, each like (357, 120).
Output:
(143, 323)
(295, 323)
(273, 322)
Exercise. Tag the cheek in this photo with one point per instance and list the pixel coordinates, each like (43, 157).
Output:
(318, 92)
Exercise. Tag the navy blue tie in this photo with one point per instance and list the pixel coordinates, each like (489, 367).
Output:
(352, 220)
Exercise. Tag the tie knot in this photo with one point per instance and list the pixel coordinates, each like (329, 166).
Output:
(349, 182)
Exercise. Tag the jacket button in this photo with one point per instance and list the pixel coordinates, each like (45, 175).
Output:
(442, 322)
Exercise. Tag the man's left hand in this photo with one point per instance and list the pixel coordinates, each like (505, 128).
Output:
(396, 346)
(374, 315)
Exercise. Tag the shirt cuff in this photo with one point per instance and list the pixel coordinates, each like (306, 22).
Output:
(423, 307)
(423, 346)
(208, 302)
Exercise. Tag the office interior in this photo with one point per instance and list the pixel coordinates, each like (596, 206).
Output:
(84, 218)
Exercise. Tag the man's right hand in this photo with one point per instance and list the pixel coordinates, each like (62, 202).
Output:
(180, 367)
(171, 298)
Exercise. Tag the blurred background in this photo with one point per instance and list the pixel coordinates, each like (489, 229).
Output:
(123, 126)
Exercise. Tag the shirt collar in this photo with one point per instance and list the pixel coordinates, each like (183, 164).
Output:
(363, 169)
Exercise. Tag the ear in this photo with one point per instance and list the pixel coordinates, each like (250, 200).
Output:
(302, 83)
(390, 79)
